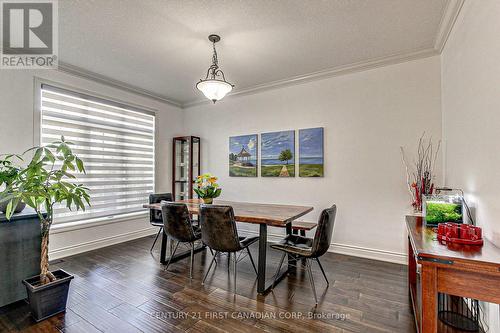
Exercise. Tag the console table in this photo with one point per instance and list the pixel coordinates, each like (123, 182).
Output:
(20, 241)
(453, 269)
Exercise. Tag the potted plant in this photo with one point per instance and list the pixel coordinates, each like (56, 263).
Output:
(44, 182)
(207, 188)
(8, 173)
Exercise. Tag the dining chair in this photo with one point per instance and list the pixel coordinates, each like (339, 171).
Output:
(155, 217)
(178, 226)
(300, 247)
(218, 232)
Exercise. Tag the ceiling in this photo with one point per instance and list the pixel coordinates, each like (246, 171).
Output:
(160, 47)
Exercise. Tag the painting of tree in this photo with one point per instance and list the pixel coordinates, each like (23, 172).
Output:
(285, 156)
(278, 154)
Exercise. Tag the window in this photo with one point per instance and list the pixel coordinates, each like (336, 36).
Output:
(116, 144)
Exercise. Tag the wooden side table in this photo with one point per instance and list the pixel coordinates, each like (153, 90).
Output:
(453, 269)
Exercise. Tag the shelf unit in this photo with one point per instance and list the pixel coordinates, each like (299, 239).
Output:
(186, 166)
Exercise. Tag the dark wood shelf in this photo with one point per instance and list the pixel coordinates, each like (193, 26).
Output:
(185, 156)
(461, 270)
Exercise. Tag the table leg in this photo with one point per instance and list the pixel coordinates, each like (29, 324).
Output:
(261, 275)
(429, 299)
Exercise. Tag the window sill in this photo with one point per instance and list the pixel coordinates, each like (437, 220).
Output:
(91, 223)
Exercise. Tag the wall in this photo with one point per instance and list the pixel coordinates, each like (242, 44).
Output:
(16, 135)
(471, 118)
(366, 116)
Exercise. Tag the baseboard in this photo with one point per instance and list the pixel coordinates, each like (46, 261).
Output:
(364, 252)
(98, 243)
(352, 250)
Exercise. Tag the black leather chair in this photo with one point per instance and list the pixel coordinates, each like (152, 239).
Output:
(309, 249)
(178, 226)
(219, 233)
(155, 215)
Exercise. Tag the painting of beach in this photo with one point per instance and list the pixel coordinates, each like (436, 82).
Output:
(311, 152)
(278, 154)
(243, 156)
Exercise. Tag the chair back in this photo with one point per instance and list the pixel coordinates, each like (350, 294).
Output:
(324, 231)
(155, 215)
(218, 228)
(177, 222)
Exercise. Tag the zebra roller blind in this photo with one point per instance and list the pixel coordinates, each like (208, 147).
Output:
(116, 143)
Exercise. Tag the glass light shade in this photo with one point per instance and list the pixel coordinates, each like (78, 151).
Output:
(214, 90)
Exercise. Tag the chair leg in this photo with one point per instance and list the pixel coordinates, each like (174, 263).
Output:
(308, 266)
(234, 273)
(192, 262)
(156, 238)
(209, 267)
(251, 259)
(322, 271)
(172, 255)
(278, 271)
(212, 253)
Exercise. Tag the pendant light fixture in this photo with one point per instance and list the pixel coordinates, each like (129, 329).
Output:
(214, 86)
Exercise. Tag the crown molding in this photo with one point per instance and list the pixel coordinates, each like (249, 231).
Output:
(327, 73)
(448, 20)
(89, 75)
(446, 24)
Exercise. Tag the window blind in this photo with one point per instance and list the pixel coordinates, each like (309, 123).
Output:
(116, 144)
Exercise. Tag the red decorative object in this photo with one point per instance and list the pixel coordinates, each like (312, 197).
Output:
(459, 233)
(420, 174)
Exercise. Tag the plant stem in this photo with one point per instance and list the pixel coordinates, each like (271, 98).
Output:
(45, 275)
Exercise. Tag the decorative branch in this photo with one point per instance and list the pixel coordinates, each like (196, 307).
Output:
(407, 173)
(423, 170)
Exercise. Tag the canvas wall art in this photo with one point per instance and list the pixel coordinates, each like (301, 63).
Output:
(278, 154)
(243, 156)
(311, 152)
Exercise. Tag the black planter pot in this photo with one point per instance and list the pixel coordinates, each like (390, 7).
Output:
(49, 299)
(19, 208)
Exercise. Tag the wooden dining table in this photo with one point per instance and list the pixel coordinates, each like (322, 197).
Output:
(245, 212)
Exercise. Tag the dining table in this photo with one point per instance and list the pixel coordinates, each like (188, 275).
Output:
(263, 214)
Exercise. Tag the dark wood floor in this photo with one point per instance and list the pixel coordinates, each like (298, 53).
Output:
(123, 288)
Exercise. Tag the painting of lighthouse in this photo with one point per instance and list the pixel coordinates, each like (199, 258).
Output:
(243, 156)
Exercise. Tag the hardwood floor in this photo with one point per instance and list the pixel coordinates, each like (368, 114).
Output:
(123, 288)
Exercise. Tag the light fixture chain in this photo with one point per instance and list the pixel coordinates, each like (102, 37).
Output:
(215, 61)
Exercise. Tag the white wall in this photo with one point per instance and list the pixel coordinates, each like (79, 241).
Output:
(17, 134)
(471, 117)
(471, 104)
(366, 117)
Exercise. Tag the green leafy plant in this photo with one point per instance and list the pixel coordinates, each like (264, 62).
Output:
(285, 156)
(207, 187)
(45, 181)
(442, 212)
(8, 170)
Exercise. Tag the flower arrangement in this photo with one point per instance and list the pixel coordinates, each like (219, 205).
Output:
(420, 175)
(207, 187)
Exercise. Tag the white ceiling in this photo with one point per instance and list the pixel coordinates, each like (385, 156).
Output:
(161, 46)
